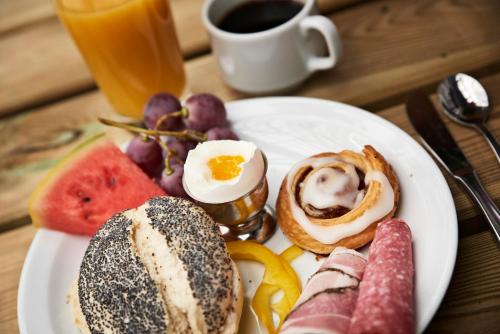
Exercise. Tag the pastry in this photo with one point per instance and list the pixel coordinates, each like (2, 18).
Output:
(337, 199)
(160, 268)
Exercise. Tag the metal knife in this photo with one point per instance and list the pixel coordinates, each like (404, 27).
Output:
(438, 141)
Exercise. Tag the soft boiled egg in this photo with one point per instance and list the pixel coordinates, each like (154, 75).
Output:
(220, 171)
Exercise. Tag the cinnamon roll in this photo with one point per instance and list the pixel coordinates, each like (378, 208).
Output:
(337, 199)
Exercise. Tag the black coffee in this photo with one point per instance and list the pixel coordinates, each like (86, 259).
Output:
(259, 15)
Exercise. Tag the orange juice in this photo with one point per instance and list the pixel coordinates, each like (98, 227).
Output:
(130, 47)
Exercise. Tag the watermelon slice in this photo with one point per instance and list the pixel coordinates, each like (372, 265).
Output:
(88, 186)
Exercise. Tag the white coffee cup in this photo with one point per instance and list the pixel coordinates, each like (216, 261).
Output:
(276, 59)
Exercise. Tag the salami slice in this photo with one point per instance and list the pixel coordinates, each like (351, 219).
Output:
(385, 303)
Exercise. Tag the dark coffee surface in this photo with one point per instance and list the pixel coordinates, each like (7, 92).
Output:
(255, 16)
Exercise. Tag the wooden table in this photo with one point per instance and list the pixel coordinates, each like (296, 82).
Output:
(49, 102)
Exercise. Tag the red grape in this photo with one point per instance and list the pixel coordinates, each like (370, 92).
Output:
(147, 155)
(159, 105)
(221, 133)
(172, 184)
(180, 147)
(205, 111)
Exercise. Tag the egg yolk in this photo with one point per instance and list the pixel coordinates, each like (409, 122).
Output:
(225, 167)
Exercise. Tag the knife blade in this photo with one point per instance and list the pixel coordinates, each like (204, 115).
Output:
(435, 135)
(440, 143)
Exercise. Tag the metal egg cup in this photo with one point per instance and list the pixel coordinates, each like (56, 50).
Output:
(247, 217)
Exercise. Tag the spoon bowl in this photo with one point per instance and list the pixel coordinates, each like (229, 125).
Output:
(464, 99)
(466, 102)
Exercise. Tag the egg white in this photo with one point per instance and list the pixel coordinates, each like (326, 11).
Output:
(200, 184)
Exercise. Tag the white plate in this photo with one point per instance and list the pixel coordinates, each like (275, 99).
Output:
(288, 130)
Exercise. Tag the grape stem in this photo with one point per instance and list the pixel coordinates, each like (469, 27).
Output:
(181, 113)
(186, 134)
(170, 154)
(168, 166)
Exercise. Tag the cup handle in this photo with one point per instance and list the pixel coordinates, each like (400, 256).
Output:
(329, 32)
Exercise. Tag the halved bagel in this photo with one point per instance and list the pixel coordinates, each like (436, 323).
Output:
(160, 268)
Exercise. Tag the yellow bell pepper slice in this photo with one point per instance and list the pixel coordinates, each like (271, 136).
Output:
(261, 305)
(275, 273)
(291, 253)
(278, 275)
(287, 256)
(282, 308)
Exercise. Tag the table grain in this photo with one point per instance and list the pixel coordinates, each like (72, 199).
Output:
(49, 103)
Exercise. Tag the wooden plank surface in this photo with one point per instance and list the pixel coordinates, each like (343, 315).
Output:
(15, 15)
(390, 46)
(24, 15)
(472, 302)
(360, 85)
(13, 248)
(51, 67)
(20, 14)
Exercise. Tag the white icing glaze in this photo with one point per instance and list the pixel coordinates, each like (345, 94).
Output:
(335, 233)
(313, 162)
(327, 187)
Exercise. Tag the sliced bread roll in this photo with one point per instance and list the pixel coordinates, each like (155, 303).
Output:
(160, 268)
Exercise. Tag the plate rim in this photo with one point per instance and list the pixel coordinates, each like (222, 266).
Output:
(453, 235)
(22, 287)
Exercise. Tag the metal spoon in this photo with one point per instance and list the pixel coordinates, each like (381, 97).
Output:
(466, 102)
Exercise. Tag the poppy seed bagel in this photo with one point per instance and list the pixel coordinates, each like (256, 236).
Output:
(160, 268)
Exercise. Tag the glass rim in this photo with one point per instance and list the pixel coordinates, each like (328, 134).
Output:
(62, 7)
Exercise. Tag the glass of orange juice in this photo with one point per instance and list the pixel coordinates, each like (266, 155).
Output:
(130, 47)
